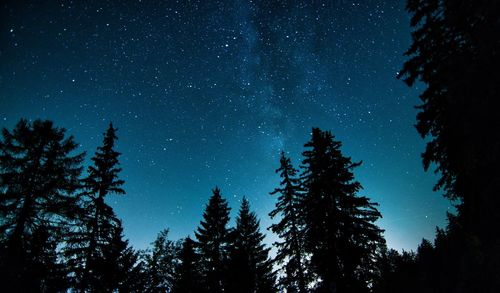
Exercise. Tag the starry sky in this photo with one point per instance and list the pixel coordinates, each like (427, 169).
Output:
(207, 93)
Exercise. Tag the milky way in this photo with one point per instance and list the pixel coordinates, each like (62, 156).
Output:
(207, 93)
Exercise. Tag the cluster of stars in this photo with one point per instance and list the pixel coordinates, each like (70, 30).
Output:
(208, 93)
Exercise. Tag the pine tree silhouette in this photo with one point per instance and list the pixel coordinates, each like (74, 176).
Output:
(115, 267)
(88, 244)
(339, 225)
(455, 52)
(291, 251)
(188, 274)
(126, 272)
(49, 274)
(38, 179)
(212, 241)
(250, 269)
(160, 264)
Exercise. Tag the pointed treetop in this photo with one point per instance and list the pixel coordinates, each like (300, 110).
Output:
(216, 191)
(245, 205)
(103, 174)
(110, 136)
(215, 217)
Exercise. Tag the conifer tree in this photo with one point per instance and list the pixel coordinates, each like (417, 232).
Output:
(188, 274)
(340, 232)
(38, 179)
(455, 53)
(49, 273)
(397, 273)
(88, 244)
(118, 268)
(250, 269)
(291, 250)
(212, 241)
(161, 263)
(133, 273)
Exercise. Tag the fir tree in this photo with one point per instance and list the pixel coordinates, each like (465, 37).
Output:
(122, 269)
(118, 268)
(188, 273)
(250, 269)
(340, 232)
(291, 250)
(99, 224)
(161, 263)
(38, 179)
(134, 277)
(212, 242)
(49, 273)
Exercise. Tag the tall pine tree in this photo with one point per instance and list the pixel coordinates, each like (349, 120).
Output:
(118, 268)
(161, 263)
(212, 241)
(88, 244)
(340, 232)
(188, 272)
(250, 269)
(38, 179)
(291, 251)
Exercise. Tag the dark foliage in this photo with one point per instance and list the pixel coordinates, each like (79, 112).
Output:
(98, 225)
(250, 269)
(38, 180)
(160, 264)
(397, 272)
(291, 250)
(130, 274)
(212, 241)
(188, 273)
(339, 225)
(456, 52)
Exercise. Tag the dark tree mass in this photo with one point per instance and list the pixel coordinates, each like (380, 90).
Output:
(99, 231)
(250, 269)
(340, 233)
(291, 250)
(455, 52)
(218, 93)
(39, 178)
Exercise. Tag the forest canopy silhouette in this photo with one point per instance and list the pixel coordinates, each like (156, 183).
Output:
(59, 234)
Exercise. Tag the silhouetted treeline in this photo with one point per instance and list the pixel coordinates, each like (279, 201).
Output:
(57, 233)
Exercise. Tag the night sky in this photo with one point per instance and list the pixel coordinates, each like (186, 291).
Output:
(207, 93)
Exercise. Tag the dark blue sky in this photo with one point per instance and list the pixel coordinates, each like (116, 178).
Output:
(207, 93)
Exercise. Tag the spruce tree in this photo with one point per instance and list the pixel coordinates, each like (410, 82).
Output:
(98, 224)
(118, 268)
(212, 242)
(340, 232)
(133, 273)
(250, 268)
(188, 274)
(291, 251)
(49, 273)
(38, 179)
(161, 263)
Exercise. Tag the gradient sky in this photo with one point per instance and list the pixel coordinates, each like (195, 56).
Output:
(207, 93)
